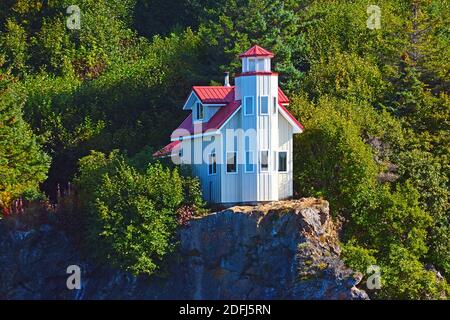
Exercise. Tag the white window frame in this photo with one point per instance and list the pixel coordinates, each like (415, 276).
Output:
(278, 161)
(260, 161)
(245, 106)
(260, 106)
(250, 61)
(198, 106)
(252, 158)
(260, 66)
(210, 165)
(235, 163)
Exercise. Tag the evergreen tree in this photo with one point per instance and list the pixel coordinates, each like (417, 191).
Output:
(228, 28)
(23, 164)
(410, 90)
(427, 30)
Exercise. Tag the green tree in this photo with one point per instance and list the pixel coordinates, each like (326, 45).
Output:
(228, 28)
(426, 172)
(404, 277)
(156, 17)
(345, 76)
(13, 44)
(135, 102)
(39, 27)
(131, 216)
(337, 162)
(23, 164)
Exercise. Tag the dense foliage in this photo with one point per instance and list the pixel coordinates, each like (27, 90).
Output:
(374, 103)
(132, 215)
(23, 164)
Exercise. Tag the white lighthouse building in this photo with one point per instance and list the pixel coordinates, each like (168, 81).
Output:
(238, 139)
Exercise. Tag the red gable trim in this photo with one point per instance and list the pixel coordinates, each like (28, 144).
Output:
(291, 116)
(188, 128)
(256, 51)
(282, 98)
(167, 150)
(220, 95)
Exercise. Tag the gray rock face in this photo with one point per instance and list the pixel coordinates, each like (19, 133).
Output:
(282, 250)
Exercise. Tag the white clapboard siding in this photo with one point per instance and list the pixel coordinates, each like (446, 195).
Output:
(210, 184)
(273, 133)
(231, 182)
(285, 189)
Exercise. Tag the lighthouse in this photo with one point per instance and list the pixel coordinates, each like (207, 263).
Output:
(241, 136)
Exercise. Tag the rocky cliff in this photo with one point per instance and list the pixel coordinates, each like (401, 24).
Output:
(282, 250)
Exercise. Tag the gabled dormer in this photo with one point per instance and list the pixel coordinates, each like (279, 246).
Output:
(204, 102)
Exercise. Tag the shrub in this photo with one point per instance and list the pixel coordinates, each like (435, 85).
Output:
(131, 216)
(403, 276)
(385, 223)
(23, 163)
(357, 257)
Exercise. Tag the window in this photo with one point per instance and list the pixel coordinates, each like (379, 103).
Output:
(251, 65)
(212, 163)
(264, 105)
(282, 161)
(249, 161)
(275, 105)
(248, 108)
(260, 64)
(231, 162)
(264, 160)
(199, 111)
(180, 153)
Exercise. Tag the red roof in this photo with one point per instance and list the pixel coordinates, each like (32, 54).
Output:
(217, 120)
(213, 94)
(225, 95)
(219, 95)
(256, 51)
(167, 150)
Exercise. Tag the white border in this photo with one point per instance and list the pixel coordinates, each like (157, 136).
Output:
(260, 160)
(226, 162)
(209, 163)
(260, 105)
(278, 161)
(245, 106)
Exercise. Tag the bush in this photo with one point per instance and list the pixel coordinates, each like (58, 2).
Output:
(387, 224)
(334, 162)
(357, 257)
(404, 277)
(131, 216)
(23, 163)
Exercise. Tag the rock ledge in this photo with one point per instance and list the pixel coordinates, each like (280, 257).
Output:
(279, 250)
